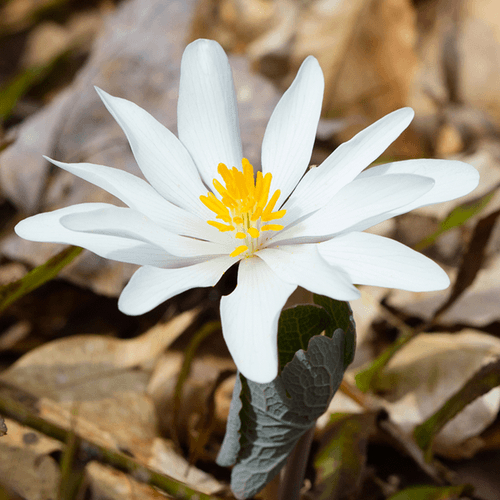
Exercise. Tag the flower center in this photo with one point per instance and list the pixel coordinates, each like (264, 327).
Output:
(244, 207)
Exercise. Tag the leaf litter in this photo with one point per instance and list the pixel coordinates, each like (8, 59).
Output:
(76, 126)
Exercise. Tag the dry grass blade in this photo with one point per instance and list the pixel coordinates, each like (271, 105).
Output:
(37, 277)
(198, 338)
(486, 379)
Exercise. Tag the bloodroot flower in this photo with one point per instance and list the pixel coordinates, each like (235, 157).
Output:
(204, 207)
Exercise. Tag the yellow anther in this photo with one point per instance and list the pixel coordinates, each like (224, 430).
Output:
(275, 215)
(220, 188)
(221, 227)
(253, 232)
(258, 185)
(239, 179)
(266, 184)
(272, 227)
(240, 235)
(270, 206)
(238, 251)
(238, 220)
(248, 173)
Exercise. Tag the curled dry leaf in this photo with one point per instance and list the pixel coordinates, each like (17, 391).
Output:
(96, 385)
(194, 399)
(427, 372)
(477, 307)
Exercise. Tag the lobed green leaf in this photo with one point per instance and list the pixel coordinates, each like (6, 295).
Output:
(296, 327)
(341, 317)
(266, 420)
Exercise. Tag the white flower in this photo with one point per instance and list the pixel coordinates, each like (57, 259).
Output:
(203, 210)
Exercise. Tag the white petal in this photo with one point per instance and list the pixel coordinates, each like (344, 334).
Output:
(303, 265)
(370, 259)
(453, 179)
(150, 286)
(207, 111)
(360, 200)
(250, 319)
(139, 195)
(128, 223)
(47, 227)
(290, 133)
(163, 159)
(320, 184)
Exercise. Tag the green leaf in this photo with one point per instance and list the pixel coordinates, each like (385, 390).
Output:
(14, 89)
(341, 317)
(432, 492)
(457, 217)
(13, 291)
(296, 326)
(483, 381)
(340, 461)
(266, 420)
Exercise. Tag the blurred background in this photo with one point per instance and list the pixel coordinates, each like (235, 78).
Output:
(441, 57)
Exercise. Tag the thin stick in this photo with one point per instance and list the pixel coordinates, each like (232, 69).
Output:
(93, 451)
(295, 470)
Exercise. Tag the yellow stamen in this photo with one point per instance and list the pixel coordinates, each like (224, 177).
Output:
(270, 206)
(253, 232)
(275, 215)
(244, 205)
(221, 227)
(272, 227)
(238, 251)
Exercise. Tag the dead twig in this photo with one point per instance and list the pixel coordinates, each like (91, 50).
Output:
(93, 451)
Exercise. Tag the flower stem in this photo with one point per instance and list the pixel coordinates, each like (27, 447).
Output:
(295, 469)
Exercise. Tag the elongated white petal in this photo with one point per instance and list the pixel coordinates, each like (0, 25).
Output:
(361, 199)
(370, 259)
(139, 195)
(150, 286)
(320, 184)
(207, 111)
(290, 133)
(303, 265)
(453, 179)
(128, 223)
(47, 227)
(163, 159)
(250, 319)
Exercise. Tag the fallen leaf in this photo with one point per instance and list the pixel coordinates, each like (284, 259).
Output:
(26, 467)
(96, 385)
(428, 371)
